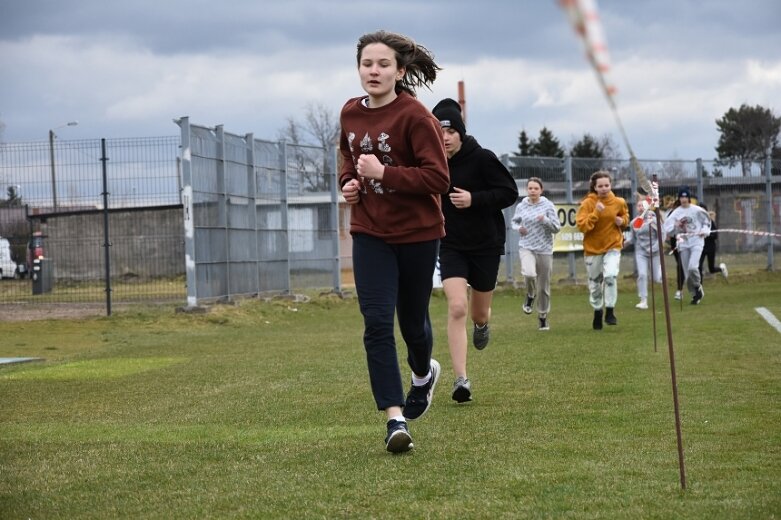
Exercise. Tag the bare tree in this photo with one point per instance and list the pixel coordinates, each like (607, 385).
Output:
(313, 143)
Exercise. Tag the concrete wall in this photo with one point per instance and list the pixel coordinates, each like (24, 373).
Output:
(145, 243)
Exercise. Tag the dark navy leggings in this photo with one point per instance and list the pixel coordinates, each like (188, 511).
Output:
(394, 279)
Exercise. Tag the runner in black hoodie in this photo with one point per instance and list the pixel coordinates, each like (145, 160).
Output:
(480, 187)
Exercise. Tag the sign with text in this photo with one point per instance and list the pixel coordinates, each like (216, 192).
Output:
(569, 238)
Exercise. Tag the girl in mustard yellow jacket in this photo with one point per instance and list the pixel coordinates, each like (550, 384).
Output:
(602, 217)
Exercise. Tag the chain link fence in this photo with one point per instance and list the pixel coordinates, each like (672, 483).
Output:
(745, 197)
(211, 215)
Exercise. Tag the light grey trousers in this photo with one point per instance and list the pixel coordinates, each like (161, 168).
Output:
(536, 271)
(690, 261)
(643, 263)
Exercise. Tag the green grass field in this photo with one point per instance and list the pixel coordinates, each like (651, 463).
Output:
(263, 410)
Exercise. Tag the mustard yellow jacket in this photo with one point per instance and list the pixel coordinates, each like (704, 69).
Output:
(600, 233)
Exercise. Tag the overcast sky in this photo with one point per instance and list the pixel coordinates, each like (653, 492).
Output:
(126, 69)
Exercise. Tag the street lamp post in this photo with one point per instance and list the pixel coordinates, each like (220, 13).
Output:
(51, 159)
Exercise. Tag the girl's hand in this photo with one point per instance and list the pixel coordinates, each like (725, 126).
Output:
(619, 221)
(351, 191)
(370, 167)
(461, 199)
(523, 231)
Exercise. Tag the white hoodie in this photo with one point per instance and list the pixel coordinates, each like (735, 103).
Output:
(540, 232)
(693, 221)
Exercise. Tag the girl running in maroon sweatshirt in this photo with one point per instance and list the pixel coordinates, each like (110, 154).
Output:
(394, 169)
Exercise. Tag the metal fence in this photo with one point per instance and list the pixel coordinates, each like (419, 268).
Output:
(260, 216)
(745, 197)
(91, 220)
(213, 215)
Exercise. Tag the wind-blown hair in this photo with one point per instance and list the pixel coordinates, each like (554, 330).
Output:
(418, 63)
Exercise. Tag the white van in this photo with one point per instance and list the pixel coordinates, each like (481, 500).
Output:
(7, 266)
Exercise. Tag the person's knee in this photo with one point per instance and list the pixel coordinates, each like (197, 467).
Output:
(456, 310)
(376, 319)
(610, 281)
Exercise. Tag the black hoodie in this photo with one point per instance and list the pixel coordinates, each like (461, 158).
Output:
(480, 228)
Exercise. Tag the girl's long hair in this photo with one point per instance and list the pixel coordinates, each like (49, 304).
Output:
(418, 63)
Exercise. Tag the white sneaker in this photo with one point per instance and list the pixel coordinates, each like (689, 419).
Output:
(723, 268)
(677, 295)
(642, 305)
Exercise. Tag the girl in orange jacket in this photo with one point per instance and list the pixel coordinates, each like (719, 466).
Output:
(601, 218)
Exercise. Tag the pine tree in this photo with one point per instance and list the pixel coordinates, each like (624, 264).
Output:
(587, 147)
(525, 145)
(547, 145)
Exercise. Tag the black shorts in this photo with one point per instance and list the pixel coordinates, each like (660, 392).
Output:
(480, 271)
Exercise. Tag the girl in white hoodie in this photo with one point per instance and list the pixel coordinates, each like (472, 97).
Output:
(690, 224)
(536, 221)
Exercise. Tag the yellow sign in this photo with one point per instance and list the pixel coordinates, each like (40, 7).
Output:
(569, 238)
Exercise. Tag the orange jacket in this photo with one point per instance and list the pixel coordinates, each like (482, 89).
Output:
(600, 233)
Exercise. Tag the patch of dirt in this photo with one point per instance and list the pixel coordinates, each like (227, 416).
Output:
(23, 312)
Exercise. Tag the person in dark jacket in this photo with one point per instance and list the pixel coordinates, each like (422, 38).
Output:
(470, 252)
(710, 248)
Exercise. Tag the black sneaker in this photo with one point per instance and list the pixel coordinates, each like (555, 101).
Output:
(462, 390)
(527, 307)
(481, 336)
(398, 439)
(597, 323)
(544, 324)
(698, 294)
(610, 318)
(419, 397)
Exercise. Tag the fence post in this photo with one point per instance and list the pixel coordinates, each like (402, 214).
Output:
(700, 189)
(509, 248)
(769, 205)
(331, 151)
(283, 199)
(509, 259)
(187, 208)
(252, 203)
(222, 206)
(569, 200)
(106, 241)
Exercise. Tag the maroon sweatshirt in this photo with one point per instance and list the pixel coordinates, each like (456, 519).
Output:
(405, 207)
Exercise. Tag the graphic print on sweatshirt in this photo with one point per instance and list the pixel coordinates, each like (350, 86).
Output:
(367, 147)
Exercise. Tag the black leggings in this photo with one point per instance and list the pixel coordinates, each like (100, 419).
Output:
(710, 254)
(394, 280)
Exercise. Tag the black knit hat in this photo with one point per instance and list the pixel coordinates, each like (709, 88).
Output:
(683, 191)
(448, 111)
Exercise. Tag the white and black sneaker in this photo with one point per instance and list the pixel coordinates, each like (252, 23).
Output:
(462, 390)
(724, 271)
(419, 397)
(544, 324)
(698, 294)
(527, 306)
(398, 439)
